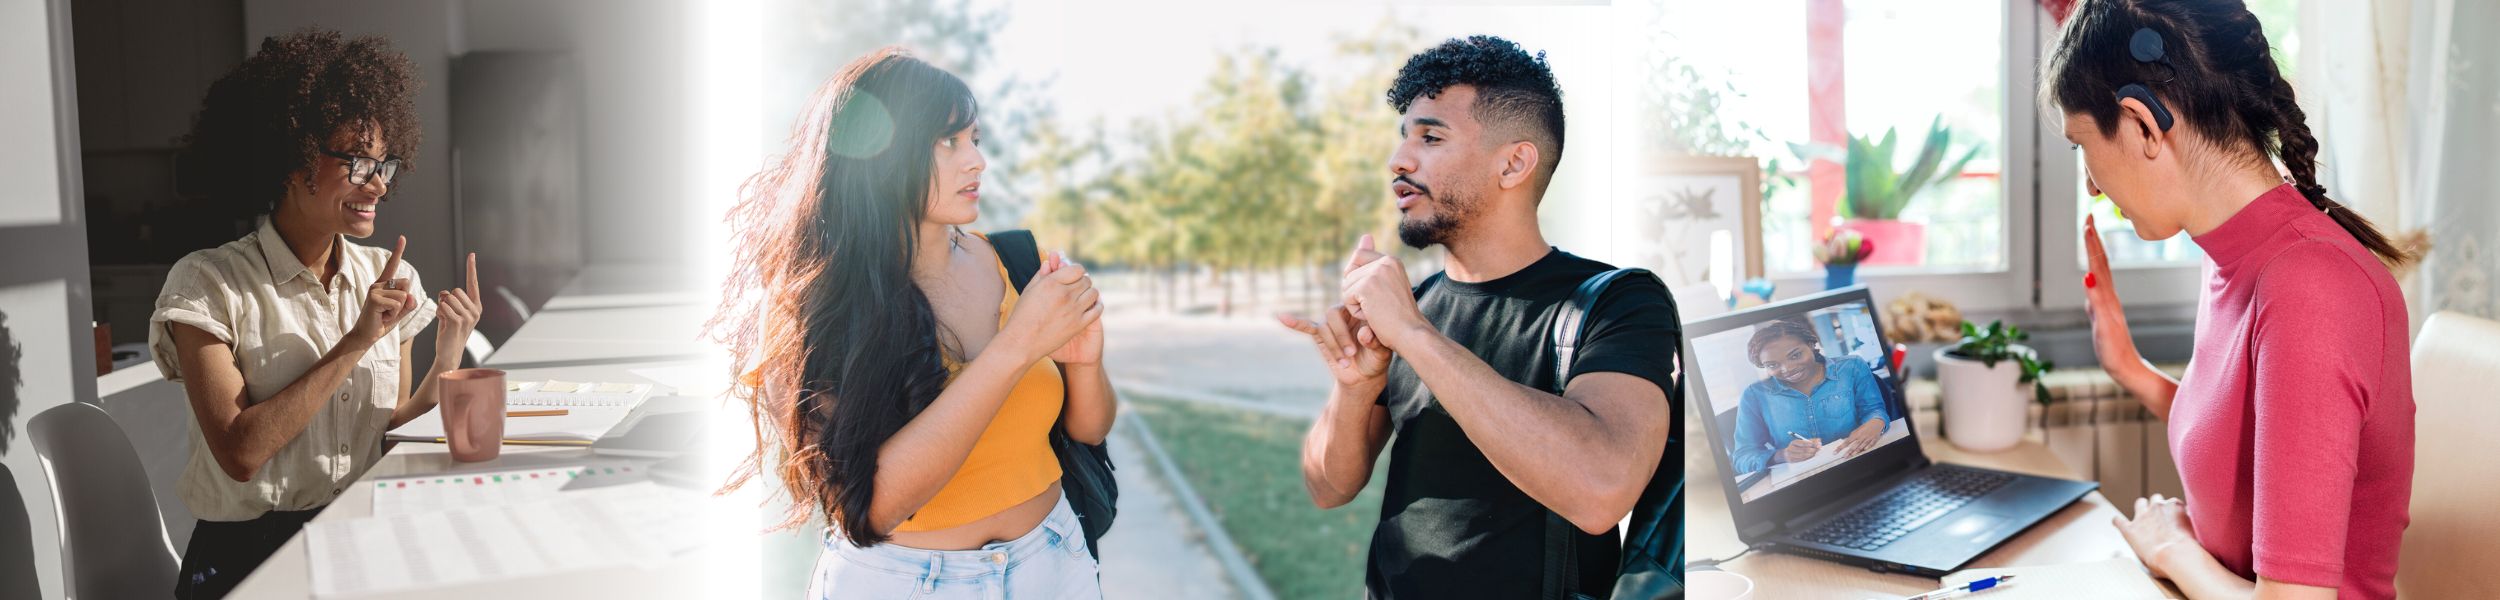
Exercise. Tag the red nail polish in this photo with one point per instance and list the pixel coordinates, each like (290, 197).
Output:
(2088, 281)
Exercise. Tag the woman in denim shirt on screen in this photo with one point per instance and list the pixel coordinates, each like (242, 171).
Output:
(1806, 400)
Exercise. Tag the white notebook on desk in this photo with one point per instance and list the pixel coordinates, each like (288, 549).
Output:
(591, 409)
(2119, 578)
(446, 491)
(622, 526)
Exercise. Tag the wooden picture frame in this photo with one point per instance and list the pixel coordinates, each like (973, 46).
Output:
(1665, 224)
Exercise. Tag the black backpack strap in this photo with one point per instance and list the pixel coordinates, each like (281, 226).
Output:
(1016, 250)
(1568, 331)
(1653, 545)
(1562, 556)
(1085, 470)
(1571, 322)
(1562, 565)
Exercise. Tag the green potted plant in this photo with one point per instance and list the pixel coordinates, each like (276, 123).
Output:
(1876, 193)
(1982, 378)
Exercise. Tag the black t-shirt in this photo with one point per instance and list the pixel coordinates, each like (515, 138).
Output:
(1451, 526)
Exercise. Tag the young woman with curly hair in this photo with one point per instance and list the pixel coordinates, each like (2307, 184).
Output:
(292, 343)
(901, 388)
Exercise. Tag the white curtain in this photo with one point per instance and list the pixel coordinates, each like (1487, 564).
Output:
(2405, 98)
(2455, 105)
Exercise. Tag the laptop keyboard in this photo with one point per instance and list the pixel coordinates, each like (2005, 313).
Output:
(1915, 503)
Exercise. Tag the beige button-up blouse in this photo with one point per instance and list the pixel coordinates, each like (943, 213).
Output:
(254, 294)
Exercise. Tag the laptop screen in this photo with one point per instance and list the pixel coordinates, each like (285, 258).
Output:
(1796, 390)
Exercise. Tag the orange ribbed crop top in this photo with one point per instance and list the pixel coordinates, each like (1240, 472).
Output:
(1012, 462)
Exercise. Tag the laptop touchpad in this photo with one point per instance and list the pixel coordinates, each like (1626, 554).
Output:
(1975, 527)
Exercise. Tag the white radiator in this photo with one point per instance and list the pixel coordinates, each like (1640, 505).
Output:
(2094, 426)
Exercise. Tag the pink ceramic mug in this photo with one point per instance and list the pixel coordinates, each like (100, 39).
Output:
(472, 405)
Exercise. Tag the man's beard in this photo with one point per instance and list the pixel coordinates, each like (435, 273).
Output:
(1446, 218)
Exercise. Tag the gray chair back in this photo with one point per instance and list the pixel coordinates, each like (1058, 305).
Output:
(113, 541)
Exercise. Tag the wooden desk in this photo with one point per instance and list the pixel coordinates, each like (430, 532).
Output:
(2080, 533)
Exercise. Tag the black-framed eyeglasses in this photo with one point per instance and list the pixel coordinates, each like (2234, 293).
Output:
(361, 169)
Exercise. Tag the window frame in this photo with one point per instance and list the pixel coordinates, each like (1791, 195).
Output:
(2058, 238)
(2042, 276)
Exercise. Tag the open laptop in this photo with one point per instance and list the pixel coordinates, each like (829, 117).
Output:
(1794, 483)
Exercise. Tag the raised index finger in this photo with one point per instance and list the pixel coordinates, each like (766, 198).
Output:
(390, 268)
(473, 275)
(1297, 323)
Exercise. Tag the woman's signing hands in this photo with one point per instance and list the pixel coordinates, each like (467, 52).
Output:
(2160, 533)
(459, 311)
(2110, 339)
(1801, 450)
(1059, 314)
(1086, 347)
(386, 301)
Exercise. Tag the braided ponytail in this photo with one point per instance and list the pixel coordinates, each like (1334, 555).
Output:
(2221, 76)
(2298, 149)
(2269, 106)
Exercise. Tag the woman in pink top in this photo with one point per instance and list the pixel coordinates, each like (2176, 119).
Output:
(2294, 425)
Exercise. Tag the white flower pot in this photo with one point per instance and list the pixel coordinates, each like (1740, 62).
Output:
(1985, 408)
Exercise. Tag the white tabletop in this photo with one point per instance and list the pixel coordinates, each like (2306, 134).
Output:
(592, 341)
(614, 313)
(287, 574)
(595, 335)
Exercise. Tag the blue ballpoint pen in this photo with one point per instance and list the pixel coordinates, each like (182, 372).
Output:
(1965, 589)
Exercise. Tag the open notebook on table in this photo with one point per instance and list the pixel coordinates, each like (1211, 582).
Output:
(2120, 578)
(489, 534)
(591, 409)
(1772, 478)
(446, 491)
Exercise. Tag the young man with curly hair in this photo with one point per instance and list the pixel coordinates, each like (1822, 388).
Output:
(293, 343)
(1460, 366)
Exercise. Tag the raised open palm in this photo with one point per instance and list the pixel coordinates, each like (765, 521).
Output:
(2111, 341)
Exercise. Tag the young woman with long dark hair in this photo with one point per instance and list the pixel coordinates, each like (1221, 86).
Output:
(2293, 428)
(901, 388)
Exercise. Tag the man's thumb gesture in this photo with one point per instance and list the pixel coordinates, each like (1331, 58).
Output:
(1363, 254)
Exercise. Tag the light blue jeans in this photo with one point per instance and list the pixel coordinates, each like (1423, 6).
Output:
(1048, 563)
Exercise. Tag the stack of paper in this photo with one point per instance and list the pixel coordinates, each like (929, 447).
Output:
(591, 410)
(611, 527)
(403, 495)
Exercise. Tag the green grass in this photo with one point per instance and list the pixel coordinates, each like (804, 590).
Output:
(1247, 467)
